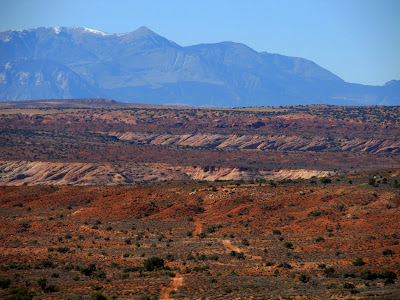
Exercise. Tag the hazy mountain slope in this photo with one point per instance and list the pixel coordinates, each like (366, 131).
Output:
(41, 79)
(142, 66)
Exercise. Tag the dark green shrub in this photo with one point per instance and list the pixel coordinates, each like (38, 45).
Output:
(304, 278)
(98, 296)
(245, 242)
(240, 255)
(5, 283)
(388, 274)
(325, 180)
(329, 272)
(359, 262)
(153, 263)
(288, 245)
(368, 275)
(101, 275)
(285, 265)
(170, 257)
(89, 271)
(42, 282)
(348, 285)
(20, 293)
(387, 252)
(349, 274)
(276, 231)
(63, 249)
(51, 289)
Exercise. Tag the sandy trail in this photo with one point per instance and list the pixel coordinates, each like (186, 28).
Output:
(175, 284)
(228, 245)
(198, 227)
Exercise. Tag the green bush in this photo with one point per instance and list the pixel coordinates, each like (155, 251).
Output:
(329, 272)
(42, 282)
(387, 252)
(368, 275)
(5, 283)
(304, 278)
(89, 271)
(358, 262)
(245, 242)
(98, 296)
(325, 180)
(20, 293)
(348, 285)
(288, 245)
(153, 263)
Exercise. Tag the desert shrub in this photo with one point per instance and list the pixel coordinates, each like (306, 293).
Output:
(5, 283)
(189, 233)
(368, 275)
(20, 293)
(325, 180)
(132, 269)
(48, 264)
(101, 275)
(276, 231)
(349, 274)
(128, 241)
(319, 239)
(76, 278)
(63, 249)
(387, 252)
(269, 263)
(51, 289)
(322, 266)
(388, 274)
(329, 272)
(109, 228)
(348, 285)
(285, 265)
(42, 282)
(388, 281)
(153, 263)
(170, 257)
(88, 271)
(170, 274)
(354, 291)
(358, 262)
(202, 257)
(371, 181)
(98, 296)
(245, 242)
(288, 245)
(213, 257)
(210, 229)
(304, 278)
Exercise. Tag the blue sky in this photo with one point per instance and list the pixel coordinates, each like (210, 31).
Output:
(358, 40)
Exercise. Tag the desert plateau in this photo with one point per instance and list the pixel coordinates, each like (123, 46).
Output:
(101, 199)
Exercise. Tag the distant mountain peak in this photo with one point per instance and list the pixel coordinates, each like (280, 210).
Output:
(141, 65)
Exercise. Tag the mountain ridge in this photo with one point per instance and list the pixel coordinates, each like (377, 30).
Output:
(142, 66)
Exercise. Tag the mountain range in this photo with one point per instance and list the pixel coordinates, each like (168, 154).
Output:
(144, 67)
